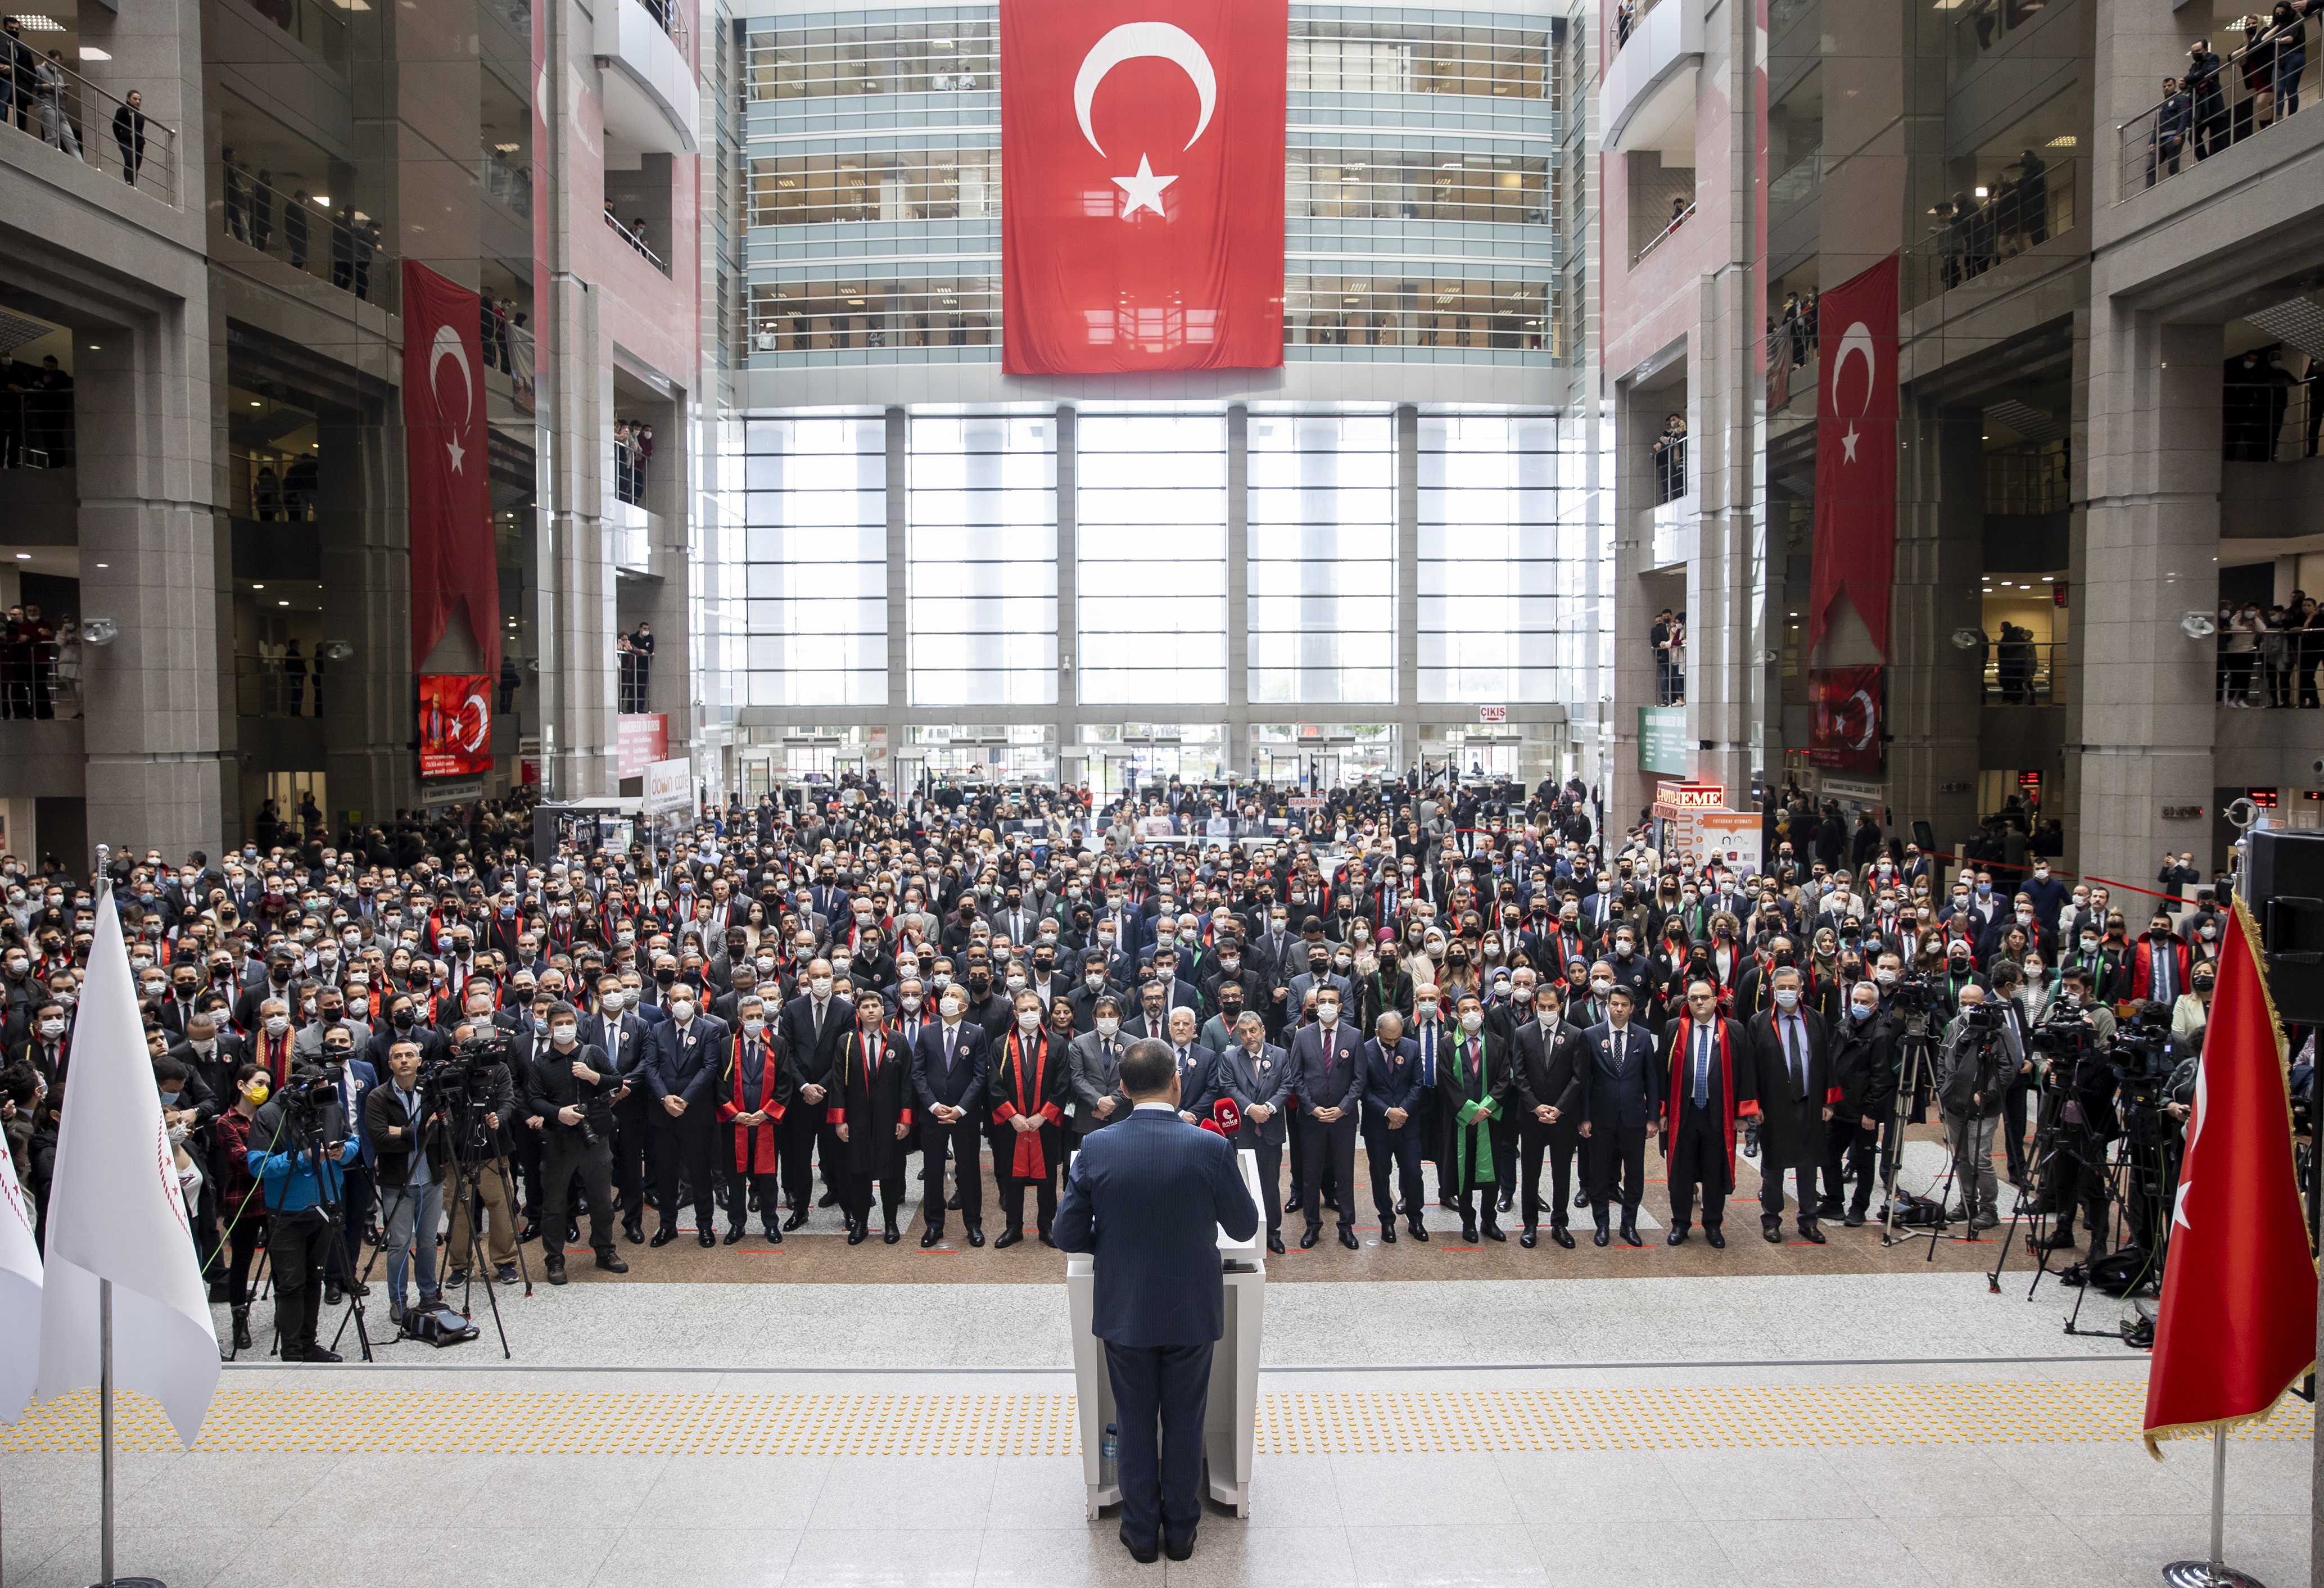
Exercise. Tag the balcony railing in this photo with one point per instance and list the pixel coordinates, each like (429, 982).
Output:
(2028, 483)
(36, 430)
(1677, 221)
(1990, 24)
(2019, 208)
(1670, 468)
(2022, 672)
(317, 26)
(1802, 177)
(274, 684)
(344, 249)
(272, 487)
(2267, 416)
(79, 119)
(510, 183)
(638, 242)
(2214, 107)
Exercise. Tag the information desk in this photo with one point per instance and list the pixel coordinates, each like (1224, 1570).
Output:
(1230, 1420)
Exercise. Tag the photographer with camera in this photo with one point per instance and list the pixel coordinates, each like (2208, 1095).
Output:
(302, 1165)
(407, 1143)
(1975, 1060)
(2077, 1083)
(478, 1095)
(572, 1091)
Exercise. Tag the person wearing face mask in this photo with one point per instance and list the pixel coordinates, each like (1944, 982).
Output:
(870, 1109)
(627, 1042)
(2161, 966)
(680, 1074)
(1473, 1092)
(755, 1088)
(1546, 1055)
(1326, 1061)
(815, 1024)
(2079, 1090)
(949, 1081)
(301, 1181)
(570, 1090)
(1790, 1080)
(2192, 1013)
(1864, 1069)
(1029, 1087)
(241, 1205)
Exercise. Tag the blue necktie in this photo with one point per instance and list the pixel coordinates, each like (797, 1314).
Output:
(1428, 1053)
(1702, 1067)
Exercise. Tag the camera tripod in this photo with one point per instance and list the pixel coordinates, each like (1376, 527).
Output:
(335, 1218)
(2028, 1207)
(1919, 1059)
(466, 1176)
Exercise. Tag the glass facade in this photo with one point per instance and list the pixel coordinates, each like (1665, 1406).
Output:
(815, 549)
(1151, 517)
(983, 548)
(1321, 550)
(1496, 577)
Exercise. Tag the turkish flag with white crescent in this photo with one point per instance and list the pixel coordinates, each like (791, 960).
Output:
(1856, 452)
(448, 459)
(1141, 155)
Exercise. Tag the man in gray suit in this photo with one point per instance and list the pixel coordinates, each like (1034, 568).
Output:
(1257, 1077)
(1197, 1089)
(1094, 1071)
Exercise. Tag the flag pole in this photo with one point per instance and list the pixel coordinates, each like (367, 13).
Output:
(2213, 1572)
(104, 1423)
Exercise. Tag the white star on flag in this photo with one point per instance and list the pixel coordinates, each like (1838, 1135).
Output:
(1848, 441)
(1143, 191)
(458, 453)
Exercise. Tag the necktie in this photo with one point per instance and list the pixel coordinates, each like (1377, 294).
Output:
(1796, 1059)
(1702, 1067)
(952, 1037)
(1428, 1053)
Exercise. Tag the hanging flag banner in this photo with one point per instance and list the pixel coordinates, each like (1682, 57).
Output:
(448, 455)
(1845, 736)
(455, 725)
(1143, 161)
(1856, 452)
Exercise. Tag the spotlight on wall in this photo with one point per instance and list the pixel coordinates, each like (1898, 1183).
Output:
(99, 631)
(2198, 625)
(1966, 639)
(337, 649)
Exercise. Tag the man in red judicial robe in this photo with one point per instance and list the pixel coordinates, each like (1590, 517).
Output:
(1029, 1089)
(755, 1089)
(870, 1112)
(1710, 1084)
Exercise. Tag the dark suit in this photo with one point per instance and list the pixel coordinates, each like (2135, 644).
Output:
(1864, 1069)
(813, 1056)
(684, 1065)
(1197, 1088)
(585, 1148)
(1620, 1092)
(627, 1043)
(1264, 1078)
(1699, 1142)
(1148, 1200)
(1324, 1064)
(956, 1080)
(1392, 1080)
(1548, 1065)
(1792, 1088)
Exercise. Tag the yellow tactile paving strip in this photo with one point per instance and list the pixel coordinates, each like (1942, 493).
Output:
(496, 1421)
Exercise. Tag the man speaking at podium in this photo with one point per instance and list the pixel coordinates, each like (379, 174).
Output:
(1149, 1198)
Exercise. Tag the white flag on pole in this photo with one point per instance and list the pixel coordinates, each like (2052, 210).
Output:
(115, 1212)
(20, 1294)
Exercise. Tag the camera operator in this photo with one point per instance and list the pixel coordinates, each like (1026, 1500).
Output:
(485, 1103)
(2078, 1081)
(408, 1144)
(2006, 985)
(1975, 1062)
(572, 1090)
(301, 1166)
(1864, 1069)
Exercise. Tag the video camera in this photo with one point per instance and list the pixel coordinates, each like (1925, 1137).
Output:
(2142, 1057)
(1914, 997)
(307, 1096)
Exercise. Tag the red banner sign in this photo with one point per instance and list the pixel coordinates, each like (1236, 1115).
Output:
(1856, 452)
(1143, 162)
(1846, 735)
(644, 740)
(447, 460)
(455, 725)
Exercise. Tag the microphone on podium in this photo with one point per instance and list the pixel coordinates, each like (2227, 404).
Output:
(1225, 1118)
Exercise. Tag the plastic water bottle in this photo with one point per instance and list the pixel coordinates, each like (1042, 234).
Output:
(1107, 1450)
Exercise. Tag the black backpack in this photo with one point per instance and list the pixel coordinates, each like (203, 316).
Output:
(437, 1325)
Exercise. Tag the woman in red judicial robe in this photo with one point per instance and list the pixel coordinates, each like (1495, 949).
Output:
(756, 1087)
(1028, 1090)
(871, 1103)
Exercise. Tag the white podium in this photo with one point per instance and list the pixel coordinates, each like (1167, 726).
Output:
(1230, 1420)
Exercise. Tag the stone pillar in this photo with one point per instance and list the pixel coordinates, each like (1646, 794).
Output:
(2147, 555)
(1068, 708)
(364, 527)
(155, 560)
(1408, 584)
(1235, 752)
(1935, 689)
(1636, 424)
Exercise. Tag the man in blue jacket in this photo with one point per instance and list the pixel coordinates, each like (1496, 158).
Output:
(1149, 1198)
(304, 1179)
(1392, 1122)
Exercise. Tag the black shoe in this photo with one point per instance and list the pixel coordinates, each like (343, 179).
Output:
(734, 1236)
(1561, 1235)
(1419, 1230)
(572, 1231)
(828, 1199)
(354, 1286)
(1601, 1236)
(1047, 1240)
(506, 1274)
(952, 1202)
(1630, 1235)
(664, 1236)
(707, 1238)
(774, 1235)
(855, 1237)
(1812, 1233)
(312, 1352)
(1582, 1200)
(554, 1264)
(1308, 1241)
(976, 1235)
(531, 1231)
(1774, 1233)
(929, 1238)
(1348, 1238)
(890, 1235)
(1275, 1245)
(1008, 1239)
(242, 1328)
(1178, 1548)
(1854, 1218)
(1829, 1208)
(1677, 1237)
(1494, 1232)
(456, 1277)
(1468, 1233)
(331, 1296)
(1528, 1236)
(2062, 1239)
(635, 1233)
(1506, 1201)
(1387, 1231)
(1145, 1555)
(1332, 1204)
(1716, 1236)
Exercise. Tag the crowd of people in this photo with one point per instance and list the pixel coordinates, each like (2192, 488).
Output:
(1975, 231)
(811, 1003)
(2269, 654)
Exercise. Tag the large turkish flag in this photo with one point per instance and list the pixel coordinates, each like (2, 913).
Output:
(1143, 185)
(1856, 451)
(446, 457)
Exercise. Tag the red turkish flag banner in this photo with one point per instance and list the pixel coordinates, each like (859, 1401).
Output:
(2237, 1324)
(1856, 451)
(448, 457)
(1143, 185)
(1845, 736)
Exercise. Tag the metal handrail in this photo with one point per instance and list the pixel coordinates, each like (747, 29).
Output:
(2021, 672)
(36, 430)
(1677, 221)
(265, 686)
(638, 242)
(146, 150)
(2195, 123)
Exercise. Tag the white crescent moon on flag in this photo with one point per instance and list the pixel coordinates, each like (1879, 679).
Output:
(446, 345)
(1867, 736)
(475, 707)
(1131, 41)
(1859, 340)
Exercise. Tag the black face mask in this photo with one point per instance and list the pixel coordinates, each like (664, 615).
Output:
(979, 983)
(186, 989)
(666, 977)
(402, 1020)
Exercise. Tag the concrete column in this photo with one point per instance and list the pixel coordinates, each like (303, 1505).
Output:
(1935, 689)
(1726, 583)
(1408, 583)
(899, 548)
(155, 558)
(363, 526)
(1236, 752)
(1068, 585)
(1633, 682)
(2148, 554)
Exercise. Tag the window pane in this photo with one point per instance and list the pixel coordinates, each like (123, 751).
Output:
(983, 562)
(1151, 573)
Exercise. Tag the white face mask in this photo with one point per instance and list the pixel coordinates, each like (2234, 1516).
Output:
(562, 1035)
(276, 1024)
(952, 1008)
(820, 986)
(753, 1024)
(1473, 1021)
(53, 1028)
(1601, 986)
(682, 1011)
(1787, 999)
(1329, 1013)
(1107, 1025)
(1028, 1019)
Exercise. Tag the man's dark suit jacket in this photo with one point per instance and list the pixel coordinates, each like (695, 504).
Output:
(1149, 1199)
